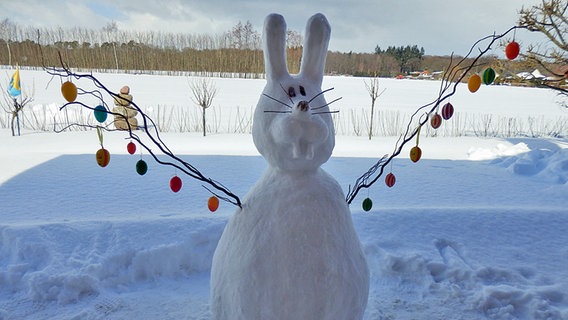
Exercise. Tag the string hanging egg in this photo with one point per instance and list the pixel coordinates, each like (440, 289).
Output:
(141, 167)
(447, 111)
(213, 203)
(390, 180)
(367, 204)
(488, 76)
(415, 153)
(103, 157)
(436, 121)
(474, 83)
(100, 113)
(175, 184)
(69, 91)
(512, 50)
(131, 147)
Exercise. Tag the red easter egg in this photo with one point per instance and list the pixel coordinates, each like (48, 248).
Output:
(131, 147)
(390, 180)
(415, 154)
(213, 203)
(175, 184)
(512, 50)
(103, 157)
(447, 111)
(436, 121)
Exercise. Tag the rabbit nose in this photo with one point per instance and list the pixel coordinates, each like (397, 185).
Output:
(303, 106)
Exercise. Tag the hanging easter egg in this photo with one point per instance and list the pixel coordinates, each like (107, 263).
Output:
(213, 203)
(474, 83)
(415, 154)
(390, 180)
(131, 147)
(175, 184)
(100, 113)
(512, 50)
(488, 76)
(141, 167)
(367, 204)
(103, 157)
(69, 91)
(436, 121)
(447, 111)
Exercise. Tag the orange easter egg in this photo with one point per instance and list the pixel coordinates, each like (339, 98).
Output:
(474, 83)
(213, 203)
(69, 91)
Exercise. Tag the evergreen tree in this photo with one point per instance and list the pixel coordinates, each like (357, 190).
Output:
(408, 57)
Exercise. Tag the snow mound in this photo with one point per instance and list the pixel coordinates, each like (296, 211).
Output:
(64, 263)
(416, 269)
(547, 162)
(544, 164)
(501, 150)
(440, 286)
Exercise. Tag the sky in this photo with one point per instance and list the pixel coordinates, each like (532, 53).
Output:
(441, 27)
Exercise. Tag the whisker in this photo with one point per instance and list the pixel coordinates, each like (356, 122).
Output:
(324, 112)
(319, 94)
(325, 105)
(274, 111)
(264, 94)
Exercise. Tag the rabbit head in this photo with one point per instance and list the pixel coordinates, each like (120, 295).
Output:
(292, 126)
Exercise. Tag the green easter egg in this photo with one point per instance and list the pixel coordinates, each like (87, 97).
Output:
(367, 204)
(141, 167)
(488, 76)
(100, 113)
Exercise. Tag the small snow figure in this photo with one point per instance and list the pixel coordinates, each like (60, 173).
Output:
(291, 252)
(126, 118)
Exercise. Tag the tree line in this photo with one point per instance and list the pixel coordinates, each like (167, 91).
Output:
(236, 52)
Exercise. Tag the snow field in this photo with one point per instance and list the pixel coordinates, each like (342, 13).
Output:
(474, 230)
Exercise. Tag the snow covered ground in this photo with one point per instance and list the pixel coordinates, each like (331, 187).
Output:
(477, 229)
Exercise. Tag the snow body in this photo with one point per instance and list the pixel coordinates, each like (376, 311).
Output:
(291, 252)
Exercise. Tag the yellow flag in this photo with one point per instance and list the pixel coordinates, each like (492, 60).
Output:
(14, 88)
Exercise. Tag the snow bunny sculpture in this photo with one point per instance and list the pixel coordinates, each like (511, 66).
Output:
(291, 252)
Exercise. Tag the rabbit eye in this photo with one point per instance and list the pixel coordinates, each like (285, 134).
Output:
(291, 92)
(302, 91)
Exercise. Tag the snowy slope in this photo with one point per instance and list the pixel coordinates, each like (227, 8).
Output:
(474, 230)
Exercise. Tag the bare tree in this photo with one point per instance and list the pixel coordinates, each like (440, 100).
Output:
(14, 107)
(111, 30)
(203, 91)
(6, 29)
(294, 39)
(243, 36)
(373, 89)
(550, 18)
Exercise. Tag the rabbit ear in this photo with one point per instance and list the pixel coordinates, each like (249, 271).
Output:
(318, 32)
(275, 46)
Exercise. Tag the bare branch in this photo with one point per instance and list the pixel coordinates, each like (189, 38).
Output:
(451, 80)
(149, 130)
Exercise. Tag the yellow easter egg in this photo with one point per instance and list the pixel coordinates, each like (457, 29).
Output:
(103, 157)
(415, 154)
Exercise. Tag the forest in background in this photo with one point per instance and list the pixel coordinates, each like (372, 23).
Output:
(235, 53)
